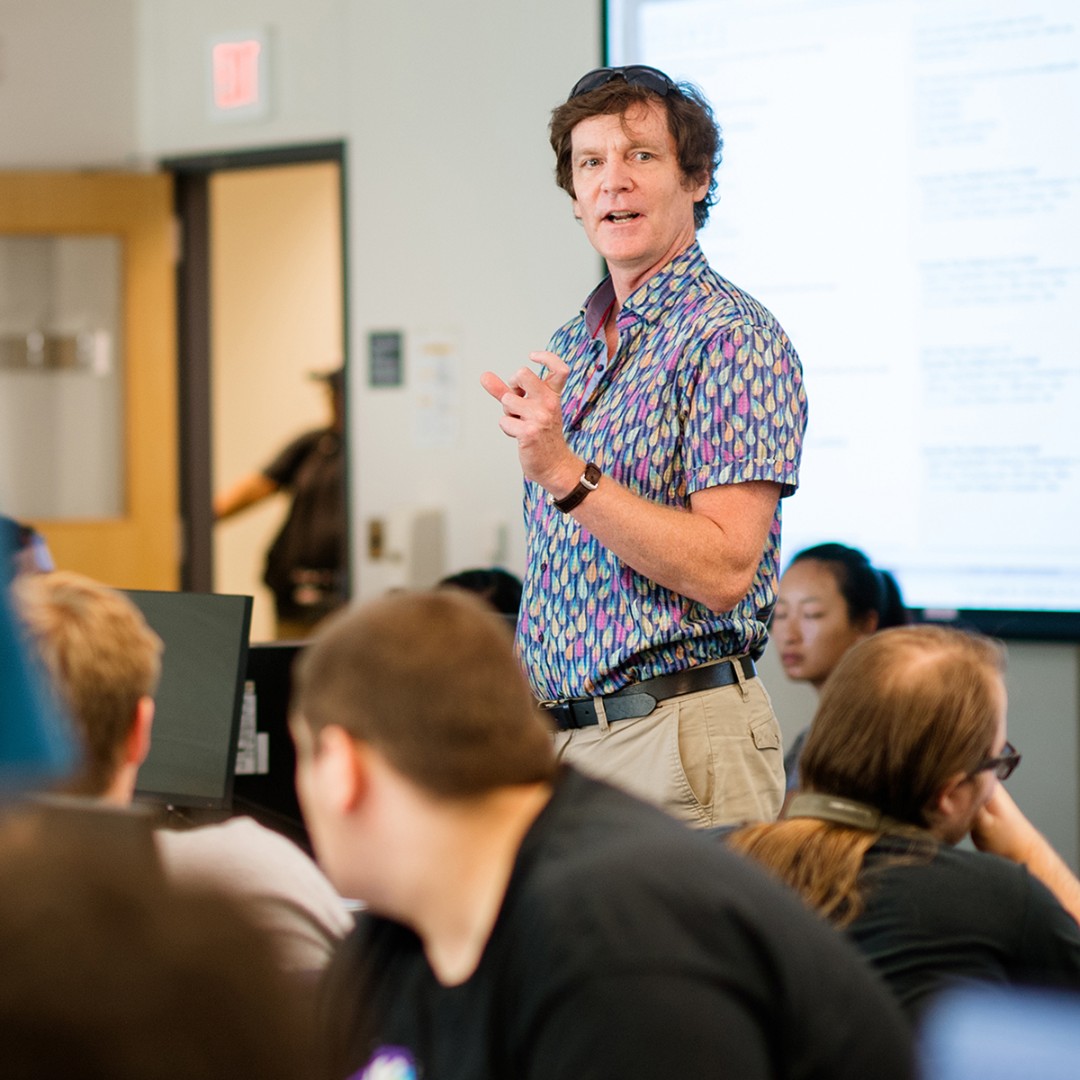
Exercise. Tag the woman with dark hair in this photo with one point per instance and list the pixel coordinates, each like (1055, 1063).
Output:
(498, 586)
(831, 597)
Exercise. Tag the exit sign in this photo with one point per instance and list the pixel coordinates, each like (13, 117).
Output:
(239, 83)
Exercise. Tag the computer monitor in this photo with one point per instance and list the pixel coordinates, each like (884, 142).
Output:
(197, 715)
(264, 786)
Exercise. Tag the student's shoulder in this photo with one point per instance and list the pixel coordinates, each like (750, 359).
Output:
(596, 850)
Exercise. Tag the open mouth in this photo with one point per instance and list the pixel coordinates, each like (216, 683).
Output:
(617, 217)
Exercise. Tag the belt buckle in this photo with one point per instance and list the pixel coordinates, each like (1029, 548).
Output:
(562, 713)
(559, 712)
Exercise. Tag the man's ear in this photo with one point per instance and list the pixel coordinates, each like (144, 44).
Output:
(341, 767)
(137, 744)
(951, 804)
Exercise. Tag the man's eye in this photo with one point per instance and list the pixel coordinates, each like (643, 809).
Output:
(644, 155)
(590, 163)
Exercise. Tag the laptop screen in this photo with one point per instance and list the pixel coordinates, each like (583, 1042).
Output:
(197, 715)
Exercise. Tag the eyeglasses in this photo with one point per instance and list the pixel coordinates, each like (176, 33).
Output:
(635, 74)
(1003, 765)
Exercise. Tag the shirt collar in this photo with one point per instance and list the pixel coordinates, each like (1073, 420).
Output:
(648, 300)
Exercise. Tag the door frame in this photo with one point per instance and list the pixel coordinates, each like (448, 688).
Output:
(191, 179)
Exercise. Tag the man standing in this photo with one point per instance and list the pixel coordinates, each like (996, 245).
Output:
(655, 453)
(525, 920)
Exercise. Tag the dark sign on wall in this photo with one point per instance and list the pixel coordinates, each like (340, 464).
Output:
(385, 354)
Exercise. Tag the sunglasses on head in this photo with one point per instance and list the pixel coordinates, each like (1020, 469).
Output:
(635, 74)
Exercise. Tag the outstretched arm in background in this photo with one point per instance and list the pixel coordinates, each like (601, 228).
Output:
(247, 491)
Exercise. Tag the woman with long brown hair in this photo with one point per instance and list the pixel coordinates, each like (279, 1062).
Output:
(903, 760)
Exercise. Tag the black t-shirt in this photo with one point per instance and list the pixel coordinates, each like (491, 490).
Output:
(935, 917)
(627, 946)
(313, 537)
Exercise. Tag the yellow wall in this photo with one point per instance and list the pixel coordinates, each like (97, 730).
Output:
(276, 316)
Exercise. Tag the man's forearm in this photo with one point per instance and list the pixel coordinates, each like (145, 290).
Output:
(1002, 829)
(709, 553)
(247, 491)
(1049, 867)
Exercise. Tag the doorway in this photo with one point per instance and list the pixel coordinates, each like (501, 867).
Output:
(261, 308)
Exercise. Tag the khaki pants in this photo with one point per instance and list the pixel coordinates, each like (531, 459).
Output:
(709, 758)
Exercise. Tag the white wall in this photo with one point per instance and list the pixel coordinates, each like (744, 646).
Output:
(459, 230)
(67, 83)
(455, 227)
(309, 51)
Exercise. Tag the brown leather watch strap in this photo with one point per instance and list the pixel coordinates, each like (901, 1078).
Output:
(588, 482)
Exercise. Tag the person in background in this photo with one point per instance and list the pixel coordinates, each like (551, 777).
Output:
(104, 663)
(655, 452)
(525, 920)
(831, 597)
(306, 565)
(25, 547)
(498, 587)
(905, 759)
(36, 746)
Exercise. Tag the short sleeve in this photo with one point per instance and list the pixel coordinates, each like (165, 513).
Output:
(748, 411)
(282, 470)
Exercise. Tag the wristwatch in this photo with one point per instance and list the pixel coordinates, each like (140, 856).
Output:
(590, 478)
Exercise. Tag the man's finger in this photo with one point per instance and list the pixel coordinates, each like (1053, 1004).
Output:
(494, 385)
(512, 401)
(558, 371)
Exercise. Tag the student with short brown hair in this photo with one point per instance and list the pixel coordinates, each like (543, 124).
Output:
(527, 921)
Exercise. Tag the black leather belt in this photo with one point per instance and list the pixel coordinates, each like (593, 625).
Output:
(641, 698)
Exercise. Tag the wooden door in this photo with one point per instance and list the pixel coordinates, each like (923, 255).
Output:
(136, 543)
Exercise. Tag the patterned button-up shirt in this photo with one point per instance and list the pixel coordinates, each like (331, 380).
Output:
(705, 389)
